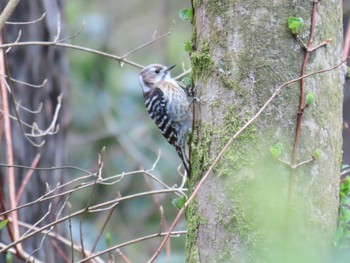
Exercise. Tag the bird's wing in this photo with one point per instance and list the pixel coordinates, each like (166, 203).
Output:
(156, 105)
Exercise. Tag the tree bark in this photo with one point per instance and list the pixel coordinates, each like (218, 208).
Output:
(32, 65)
(255, 208)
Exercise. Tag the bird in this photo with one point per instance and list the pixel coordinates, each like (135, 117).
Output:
(167, 104)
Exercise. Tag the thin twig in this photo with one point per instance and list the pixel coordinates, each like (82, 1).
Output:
(295, 166)
(28, 22)
(300, 114)
(109, 215)
(38, 86)
(79, 212)
(66, 45)
(124, 258)
(183, 74)
(29, 258)
(163, 222)
(81, 237)
(6, 13)
(27, 177)
(28, 110)
(46, 197)
(174, 233)
(75, 34)
(53, 127)
(70, 232)
(154, 39)
(59, 238)
(9, 150)
(17, 40)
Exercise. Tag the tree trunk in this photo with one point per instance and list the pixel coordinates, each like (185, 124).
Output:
(256, 208)
(33, 64)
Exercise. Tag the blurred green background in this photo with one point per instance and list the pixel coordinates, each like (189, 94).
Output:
(107, 109)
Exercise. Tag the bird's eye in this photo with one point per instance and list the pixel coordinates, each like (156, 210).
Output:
(157, 71)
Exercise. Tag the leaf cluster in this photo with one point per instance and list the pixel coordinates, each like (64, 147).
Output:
(342, 235)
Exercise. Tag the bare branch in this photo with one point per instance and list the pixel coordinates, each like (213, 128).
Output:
(8, 144)
(183, 74)
(174, 233)
(75, 34)
(154, 39)
(31, 85)
(17, 40)
(109, 215)
(27, 177)
(79, 212)
(66, 45)
(6, 13)
(57, 237)
(28, 22)
(18, 104)
(29, 258)
(38, 222)
(53, 128)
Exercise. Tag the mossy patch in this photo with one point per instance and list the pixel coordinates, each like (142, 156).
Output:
(201, 60)
(239, 153)
(200, 159)
(192, 232)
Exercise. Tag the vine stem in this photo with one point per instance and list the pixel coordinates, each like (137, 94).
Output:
(294, 162)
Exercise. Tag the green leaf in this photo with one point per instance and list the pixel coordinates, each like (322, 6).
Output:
(3, 223)
(187, 46)
(338, 235)
(179, 202)
(187, 81)
(316, 154)
(344, 166)
(345, 200)
(8, 258)
(186, 14)
(276, 150)
(295, 24)
(310, 97)
(108, 239)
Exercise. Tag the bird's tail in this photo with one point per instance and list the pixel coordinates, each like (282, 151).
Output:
(182, 154)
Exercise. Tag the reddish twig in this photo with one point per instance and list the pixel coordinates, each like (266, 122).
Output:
(302, 85)
(347, 42)
(81, 236)
(60, 251)
(302, 106)
(163, 221)
(27, 177)
(103, 227)
(9, 151)
(5, 216)
(124, 258)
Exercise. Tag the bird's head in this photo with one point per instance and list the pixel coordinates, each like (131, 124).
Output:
(153, 74)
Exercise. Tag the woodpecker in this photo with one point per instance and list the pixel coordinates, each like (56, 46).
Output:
(168, 106)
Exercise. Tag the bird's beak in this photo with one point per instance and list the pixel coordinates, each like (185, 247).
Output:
(170, 67)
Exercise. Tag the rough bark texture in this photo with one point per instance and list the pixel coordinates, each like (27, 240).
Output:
(34, 64)
(242, 50)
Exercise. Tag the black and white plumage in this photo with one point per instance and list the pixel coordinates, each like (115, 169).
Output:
(167, 105)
